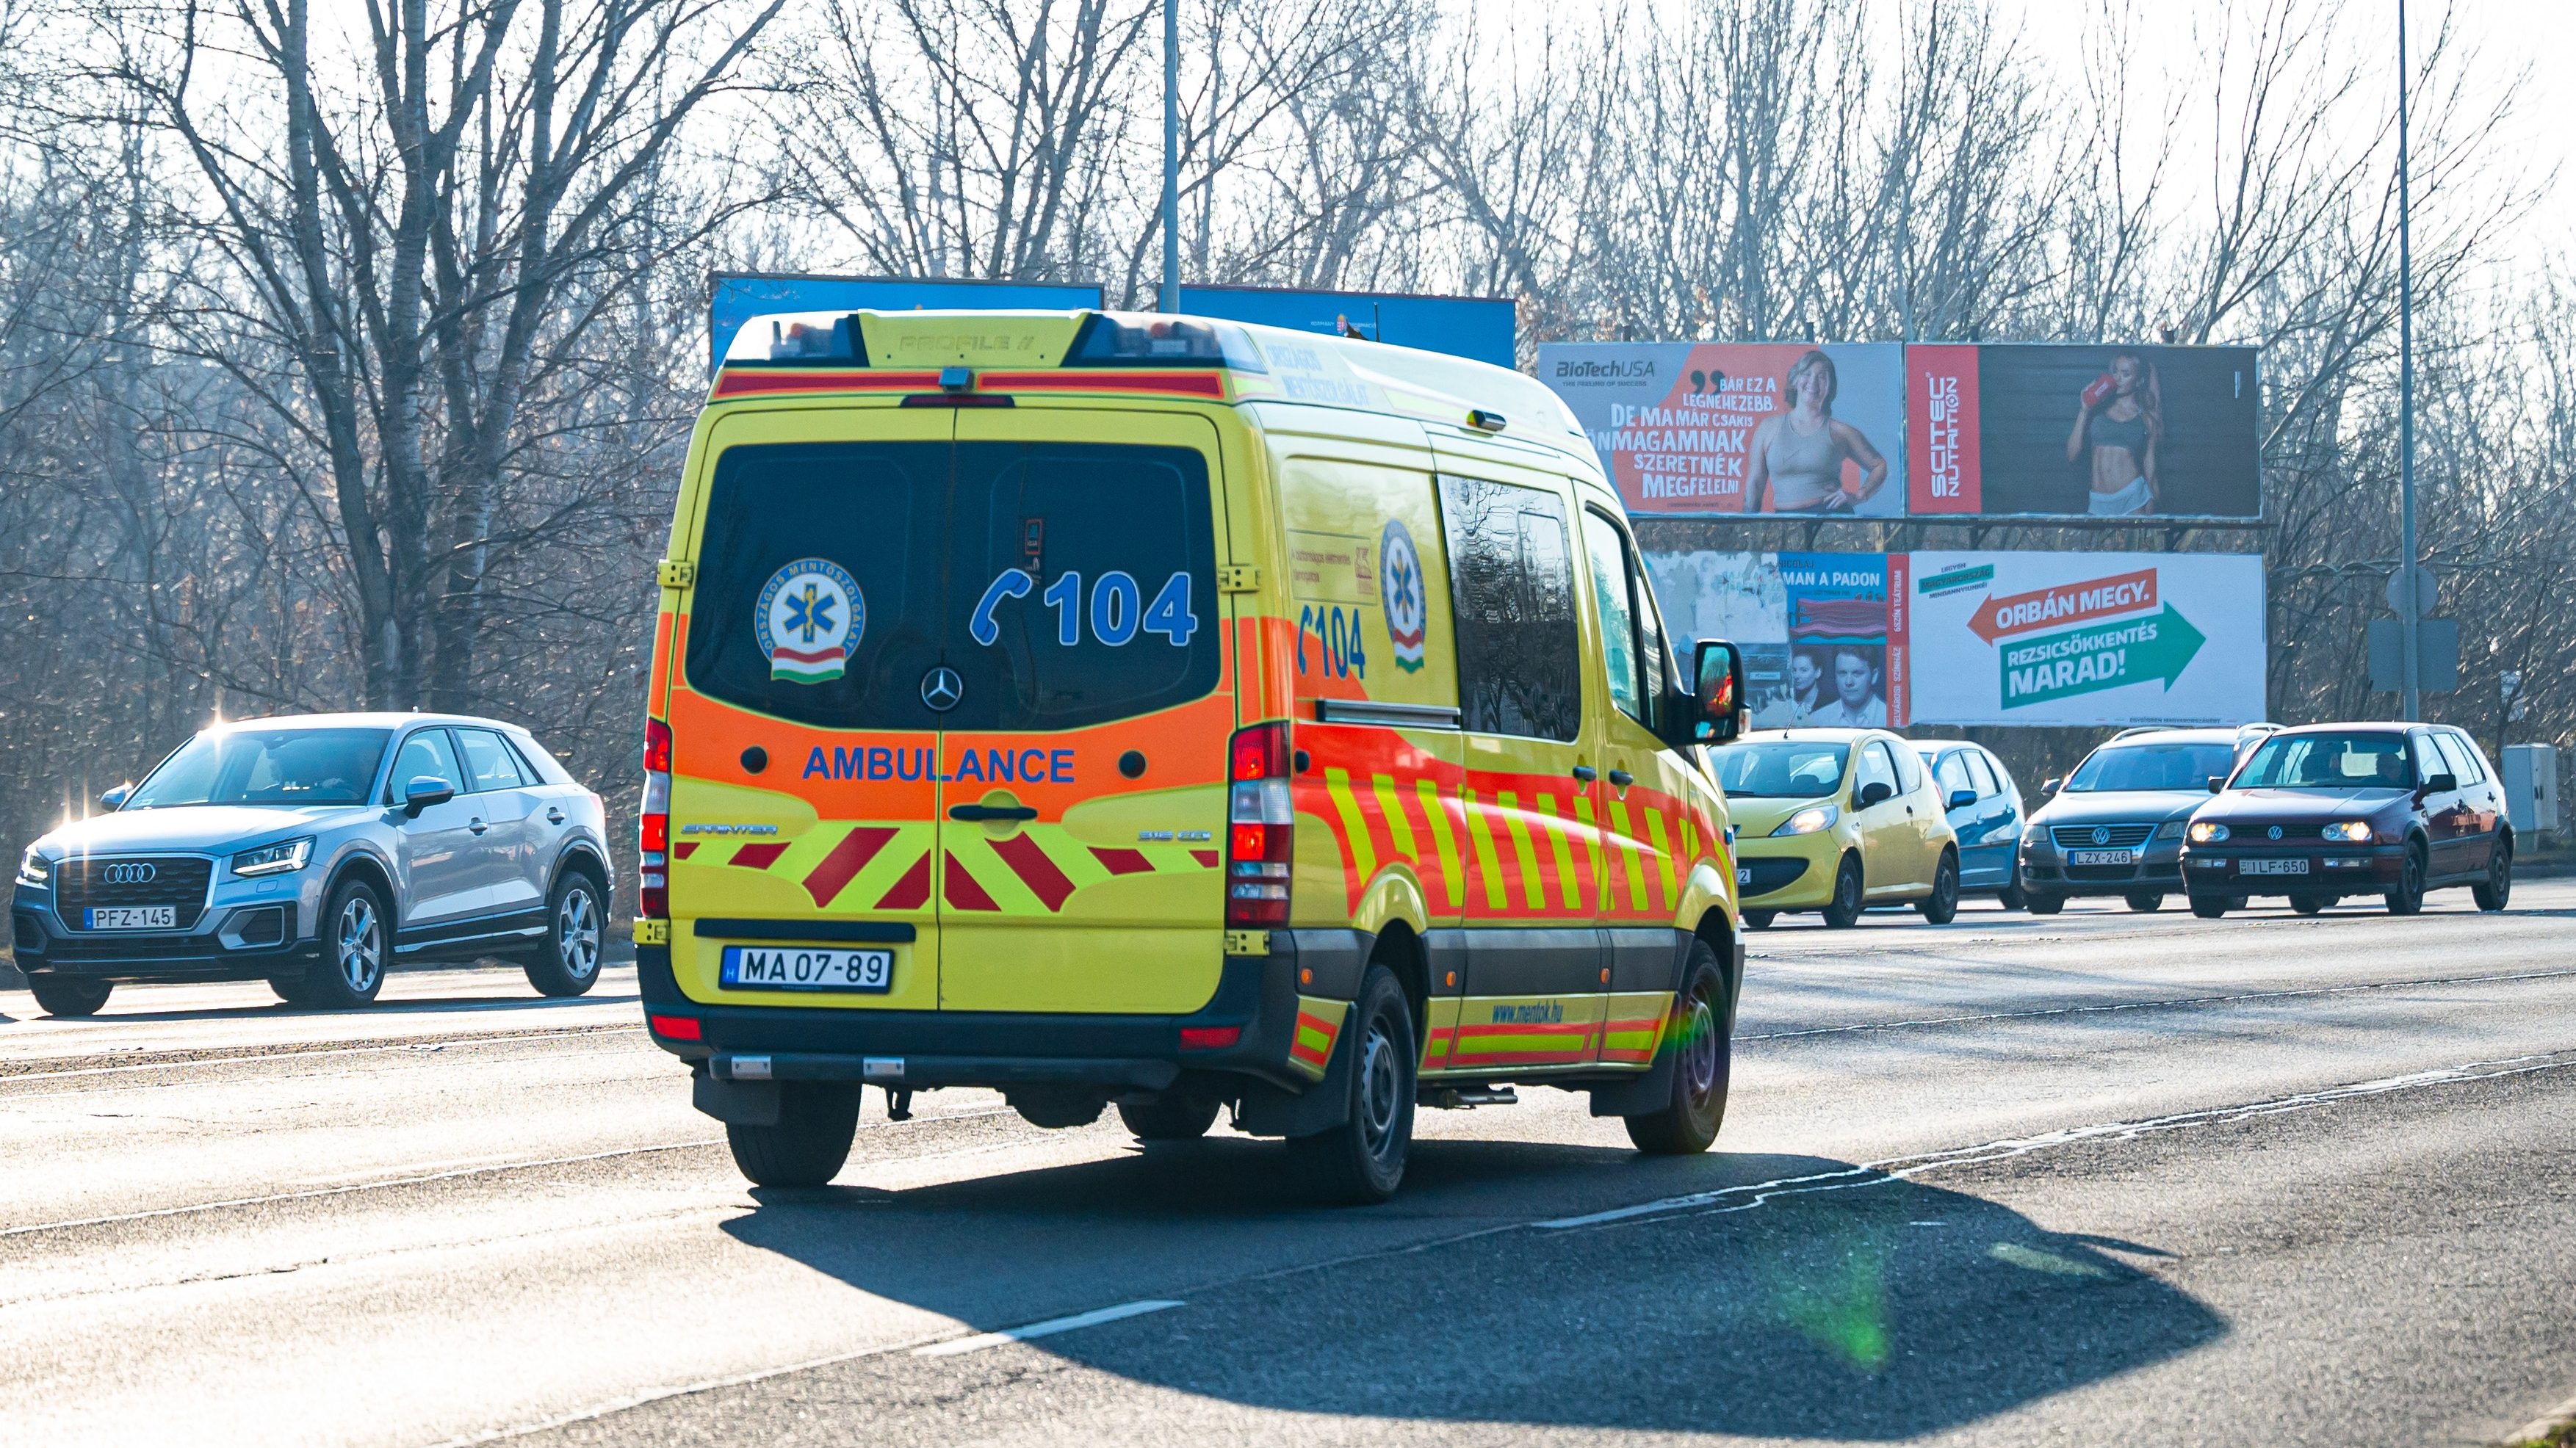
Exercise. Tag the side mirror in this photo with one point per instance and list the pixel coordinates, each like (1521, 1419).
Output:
(1717, 692)
(1961, 798)
(423, 791)
(2441, 783)
(115, 798)
(2050, 785)
(2217, 782)
(1875, 792)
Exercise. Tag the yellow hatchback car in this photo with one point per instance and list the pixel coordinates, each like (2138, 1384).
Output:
(1836, 820)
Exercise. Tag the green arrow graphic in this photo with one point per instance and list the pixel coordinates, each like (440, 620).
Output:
(2103, 656)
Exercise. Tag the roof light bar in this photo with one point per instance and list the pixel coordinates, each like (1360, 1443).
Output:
(1147, 339)
(814, 339)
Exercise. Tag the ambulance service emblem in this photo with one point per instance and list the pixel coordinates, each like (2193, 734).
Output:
(1399, 586)
(810, 619)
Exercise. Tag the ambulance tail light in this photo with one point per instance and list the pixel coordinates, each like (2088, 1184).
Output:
(653, 884)
(1259, 824)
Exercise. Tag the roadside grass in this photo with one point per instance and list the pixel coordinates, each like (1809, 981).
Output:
(2562, 1435)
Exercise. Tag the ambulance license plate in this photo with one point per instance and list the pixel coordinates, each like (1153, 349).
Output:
(2100, 857)
(133, 917)
(2271, 867)
(770, 967)
(1744, 874)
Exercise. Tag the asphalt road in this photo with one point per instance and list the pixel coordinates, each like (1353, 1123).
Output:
(2091, 1178)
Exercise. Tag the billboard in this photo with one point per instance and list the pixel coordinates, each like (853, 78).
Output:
(1479, 328)
(2103, 431)
(1890, 639)
(1699, 428)
(736, 297)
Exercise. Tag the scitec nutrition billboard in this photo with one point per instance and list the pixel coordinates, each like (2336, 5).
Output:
(1877, 429)
(1890, 639)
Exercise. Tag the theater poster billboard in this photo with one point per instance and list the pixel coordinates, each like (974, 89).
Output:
(2100, 431)
(2053, 638)
(1710, 428)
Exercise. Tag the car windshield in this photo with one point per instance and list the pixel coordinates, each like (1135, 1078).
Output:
(266, 767)
(2328, 761)
(1781, 769)
(2151, 766)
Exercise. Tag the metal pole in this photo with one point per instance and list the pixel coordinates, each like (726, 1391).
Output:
(2408, 622)
(1171, 155)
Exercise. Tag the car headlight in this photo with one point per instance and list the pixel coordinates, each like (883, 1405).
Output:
(32, 869)
(275, 859)
(2205, 833)
(2354, 831)
(2171, 829)
(2033, 838)
(1811, 819)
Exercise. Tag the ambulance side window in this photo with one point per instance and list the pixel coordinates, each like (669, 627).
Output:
(1512, 589)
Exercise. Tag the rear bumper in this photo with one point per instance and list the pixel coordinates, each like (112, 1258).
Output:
(1256, 995)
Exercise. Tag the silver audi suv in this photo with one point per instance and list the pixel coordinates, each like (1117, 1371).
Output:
(313, 852)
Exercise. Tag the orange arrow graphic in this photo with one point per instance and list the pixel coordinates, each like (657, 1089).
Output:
(2066, 603)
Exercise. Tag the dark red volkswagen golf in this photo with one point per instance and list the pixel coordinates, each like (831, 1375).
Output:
(2329, 810)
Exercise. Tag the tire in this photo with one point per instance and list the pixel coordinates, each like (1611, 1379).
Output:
(2408, 897)
(817, 1121)
(2496, 891)
(2311, 904)
(2146, 902)
(2212, 907)
(290, 989)
(2012, 897)
(1760, 919)
(1702, 1057)
(1362, 1160)
(1843, 911)
(356, 939)
(567, 964)
(1170, 1117)
(1942, 905)
(70, 995)
(2041, 903)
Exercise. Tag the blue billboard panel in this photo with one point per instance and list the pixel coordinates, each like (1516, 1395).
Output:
(1480, 328)
(736, 298)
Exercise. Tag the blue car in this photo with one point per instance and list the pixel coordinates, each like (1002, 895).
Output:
(1985, 813)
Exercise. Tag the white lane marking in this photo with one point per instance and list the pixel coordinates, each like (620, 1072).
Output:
(1049, 1328)
(219, 1056)
(1901, 1168)
(2176, 1003)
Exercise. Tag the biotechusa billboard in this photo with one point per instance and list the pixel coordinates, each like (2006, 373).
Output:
(1883, 429)
(1890, 639)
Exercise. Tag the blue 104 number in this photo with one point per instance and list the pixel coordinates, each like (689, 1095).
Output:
(1337, 640)
(1117, 610)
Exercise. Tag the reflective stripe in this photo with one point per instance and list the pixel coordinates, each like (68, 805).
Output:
(1435, 811)
(1558, 840)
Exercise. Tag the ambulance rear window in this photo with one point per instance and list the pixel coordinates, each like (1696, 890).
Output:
(1035, 586)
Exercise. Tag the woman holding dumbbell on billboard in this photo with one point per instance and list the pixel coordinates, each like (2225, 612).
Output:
(2121, 419)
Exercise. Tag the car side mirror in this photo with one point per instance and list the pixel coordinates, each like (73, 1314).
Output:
(1962, 798)
(115, 798)
(423, 791)
(2050, 785)
(1717, 707)
(1875, 792)
(2441, 783)
(2216, 782)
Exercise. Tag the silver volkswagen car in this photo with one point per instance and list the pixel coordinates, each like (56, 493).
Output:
(313, 852)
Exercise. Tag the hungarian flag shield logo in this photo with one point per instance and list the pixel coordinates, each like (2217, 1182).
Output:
(810, 619)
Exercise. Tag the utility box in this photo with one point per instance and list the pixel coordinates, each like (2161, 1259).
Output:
(2531, 787)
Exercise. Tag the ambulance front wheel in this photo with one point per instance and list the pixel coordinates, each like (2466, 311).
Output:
(817, 1121)
(1701, 1057)
(1362, 1160)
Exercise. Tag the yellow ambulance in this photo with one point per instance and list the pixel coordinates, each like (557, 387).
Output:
(1122, 709)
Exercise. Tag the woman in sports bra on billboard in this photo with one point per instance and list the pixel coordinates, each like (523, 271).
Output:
(2121, 418)
(1798, 455)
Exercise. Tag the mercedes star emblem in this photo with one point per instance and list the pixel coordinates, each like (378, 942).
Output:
(941, 689)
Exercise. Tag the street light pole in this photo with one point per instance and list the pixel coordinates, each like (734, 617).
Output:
(1172, 156)
(2409, 620)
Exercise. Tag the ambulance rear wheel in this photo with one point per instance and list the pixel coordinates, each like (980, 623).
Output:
(817, 1121)
(1362, 1160)
(1701, 1059)
(1169, 1117)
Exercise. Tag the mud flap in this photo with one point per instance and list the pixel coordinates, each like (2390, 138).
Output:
(1269, 1110)
(736, 1103)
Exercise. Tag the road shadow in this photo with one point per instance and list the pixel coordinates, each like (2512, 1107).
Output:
(1847, 1305)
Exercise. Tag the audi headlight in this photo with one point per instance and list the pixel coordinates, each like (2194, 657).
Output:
(2354, 831)
(32, 869)
(2205, 833)
(1811, 819)
(275, 859)
(2171, 829)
